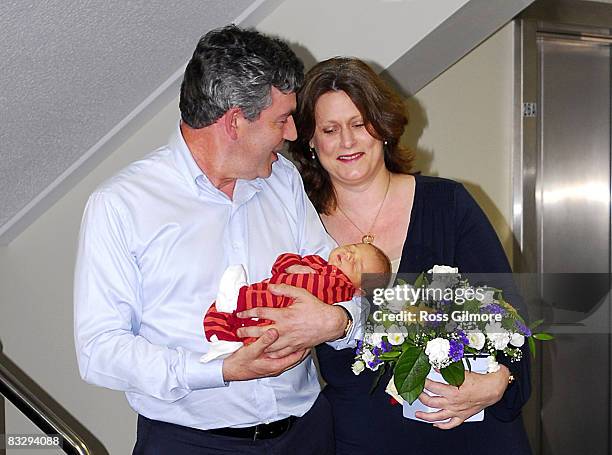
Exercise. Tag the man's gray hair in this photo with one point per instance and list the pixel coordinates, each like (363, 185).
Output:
(232, 67)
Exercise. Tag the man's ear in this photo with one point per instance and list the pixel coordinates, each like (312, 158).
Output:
(230, 121)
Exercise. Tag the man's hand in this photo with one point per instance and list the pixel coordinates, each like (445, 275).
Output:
(304, 324)
(460, 403)
(250, 362)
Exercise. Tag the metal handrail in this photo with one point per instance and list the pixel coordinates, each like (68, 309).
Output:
(39, 413)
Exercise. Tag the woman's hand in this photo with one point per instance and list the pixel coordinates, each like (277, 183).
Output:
(477, 392)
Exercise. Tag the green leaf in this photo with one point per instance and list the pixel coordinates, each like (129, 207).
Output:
(543, 336)
(379, 374)
(472, 306)
(454, 374)
(420, 281)
(535, 324)
(390, 355)
(508, 324)
(410, 373)
(532, 347)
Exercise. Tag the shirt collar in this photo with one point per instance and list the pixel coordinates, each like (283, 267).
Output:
(185, 163)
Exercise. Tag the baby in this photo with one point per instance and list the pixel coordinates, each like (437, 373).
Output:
(332, 281)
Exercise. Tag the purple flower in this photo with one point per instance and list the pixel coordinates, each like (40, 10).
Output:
(385, 346)
(456, 350)
(374, 363)
(359, 348)
(493, 308)
(522, 328)
(462, 336)
(377, 351)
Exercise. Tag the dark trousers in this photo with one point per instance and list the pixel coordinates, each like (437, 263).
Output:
(312, 434)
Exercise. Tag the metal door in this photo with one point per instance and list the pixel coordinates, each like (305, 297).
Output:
(573, 206)
(562, 222)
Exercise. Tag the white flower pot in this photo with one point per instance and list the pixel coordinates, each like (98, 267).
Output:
(479, 365)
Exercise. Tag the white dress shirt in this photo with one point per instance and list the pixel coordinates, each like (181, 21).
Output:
(154, 242)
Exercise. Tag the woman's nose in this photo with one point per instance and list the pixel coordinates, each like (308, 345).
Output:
(347, 138)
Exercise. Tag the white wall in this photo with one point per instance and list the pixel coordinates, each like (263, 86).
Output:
(378, 31)
(461, 124)
(36, 272)
(468, 133)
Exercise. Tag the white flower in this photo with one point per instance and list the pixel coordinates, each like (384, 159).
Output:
(440, 283)
(476, 340)
(367, 356)
(517, 340)
(498, 335)
(358, 367)
(396, 335)
(392, 390)
(395, 338)
(402, 298)
(377, 336)
(443, 269)
(492, 366)
(437, 351)
(487, 298)
(444, 276)
(368, 359)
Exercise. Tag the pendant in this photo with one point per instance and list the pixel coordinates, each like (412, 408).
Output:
(368, 238)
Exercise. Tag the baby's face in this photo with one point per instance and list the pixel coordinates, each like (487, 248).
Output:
(354, 260)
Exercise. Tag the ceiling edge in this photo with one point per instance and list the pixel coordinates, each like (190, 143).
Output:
(454, 38)
(131, 123)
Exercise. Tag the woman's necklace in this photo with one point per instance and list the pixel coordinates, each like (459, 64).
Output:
(369, 236)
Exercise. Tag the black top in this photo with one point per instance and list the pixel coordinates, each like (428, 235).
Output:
(447, 227)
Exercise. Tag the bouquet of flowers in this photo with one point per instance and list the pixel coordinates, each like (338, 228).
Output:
(441, 322)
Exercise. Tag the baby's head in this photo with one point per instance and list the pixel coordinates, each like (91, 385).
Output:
(359, 258)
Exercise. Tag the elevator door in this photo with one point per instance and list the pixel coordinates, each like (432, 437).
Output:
(573, 210)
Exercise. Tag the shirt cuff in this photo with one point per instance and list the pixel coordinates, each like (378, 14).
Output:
(207, 375)
(355, 308)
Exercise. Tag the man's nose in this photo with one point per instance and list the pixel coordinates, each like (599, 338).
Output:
(290, 133)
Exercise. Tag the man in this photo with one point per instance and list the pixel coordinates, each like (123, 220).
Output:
(156, 239)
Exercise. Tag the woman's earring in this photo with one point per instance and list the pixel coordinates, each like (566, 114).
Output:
(385, 142)
(312, 153)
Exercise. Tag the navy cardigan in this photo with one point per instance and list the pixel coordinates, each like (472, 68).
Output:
(447, 227)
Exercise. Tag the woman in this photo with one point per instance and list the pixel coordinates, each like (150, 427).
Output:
(349, 124)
